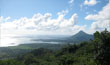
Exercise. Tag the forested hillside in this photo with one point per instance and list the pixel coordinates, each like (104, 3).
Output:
(82, 36)
(94, 52)
(13, 51)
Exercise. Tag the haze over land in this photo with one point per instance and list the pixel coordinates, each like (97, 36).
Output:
(54, 32)
(26, 18)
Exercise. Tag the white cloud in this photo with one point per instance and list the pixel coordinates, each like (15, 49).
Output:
(70, 22)
(40, 22)
(63, 12)
(100, 25)
(90, 2)
(44, 23)
(71, 1)
(102, 19)
(2, 19)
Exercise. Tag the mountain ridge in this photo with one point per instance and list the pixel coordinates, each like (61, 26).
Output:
(80, 37)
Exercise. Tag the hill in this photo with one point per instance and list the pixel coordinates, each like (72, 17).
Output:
(14, 51)
(77, 38)
(94, 52)
(80, 37)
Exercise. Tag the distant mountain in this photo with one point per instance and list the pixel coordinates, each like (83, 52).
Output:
(13, 51)
(80, 37)
(77, 38)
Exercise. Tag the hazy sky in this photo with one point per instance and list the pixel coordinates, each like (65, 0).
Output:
(21, 17)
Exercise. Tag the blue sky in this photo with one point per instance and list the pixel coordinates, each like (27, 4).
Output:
(20, 8)
(17, 9)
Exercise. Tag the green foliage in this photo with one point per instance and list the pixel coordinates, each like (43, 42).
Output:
(103, 48)
(13, 51)
(95, 52)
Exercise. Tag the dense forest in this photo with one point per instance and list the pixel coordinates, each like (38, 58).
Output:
(93, 52)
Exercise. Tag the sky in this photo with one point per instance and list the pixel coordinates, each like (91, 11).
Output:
(53, 17)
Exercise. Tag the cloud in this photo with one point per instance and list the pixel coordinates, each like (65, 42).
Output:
(102, 19)
(100, 25)
(41, 22)
(63, 12)
(90, 2)
(2, 19)
(71, 1)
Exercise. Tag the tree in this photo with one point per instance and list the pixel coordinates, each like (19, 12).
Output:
(102, 46)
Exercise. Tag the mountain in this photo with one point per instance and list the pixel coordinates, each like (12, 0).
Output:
(13, 51)
(80, 37)
(77, 38)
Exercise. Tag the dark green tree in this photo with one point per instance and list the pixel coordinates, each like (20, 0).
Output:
(102, 47)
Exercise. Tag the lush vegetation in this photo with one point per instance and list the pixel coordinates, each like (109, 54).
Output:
(94, 52)
(14, 51)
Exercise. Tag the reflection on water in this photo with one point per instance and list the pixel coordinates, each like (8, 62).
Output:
(7, 41)
(12, 41)
(16, 40)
